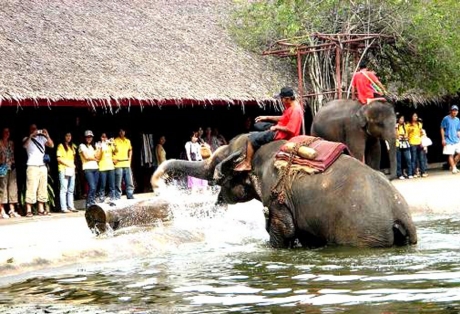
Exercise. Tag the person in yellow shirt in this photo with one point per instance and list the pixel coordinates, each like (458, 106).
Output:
(122, 160)
(402, 149)
(65, 154)
(90, 167)
(414, 134)
(104, 152)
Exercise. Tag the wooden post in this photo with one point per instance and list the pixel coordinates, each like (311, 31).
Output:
(300, 87)
(338, 71)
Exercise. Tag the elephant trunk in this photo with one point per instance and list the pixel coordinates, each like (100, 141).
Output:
(198, 169)
(195, 169)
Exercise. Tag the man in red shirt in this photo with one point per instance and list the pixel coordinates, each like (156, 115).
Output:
(367, 85)
(287, 125)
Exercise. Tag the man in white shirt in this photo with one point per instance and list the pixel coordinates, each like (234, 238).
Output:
(37, 172)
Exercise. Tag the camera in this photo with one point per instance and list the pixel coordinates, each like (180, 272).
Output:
(39, 131)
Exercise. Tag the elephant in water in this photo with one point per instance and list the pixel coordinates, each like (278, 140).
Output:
(360, 127)
(348, 204)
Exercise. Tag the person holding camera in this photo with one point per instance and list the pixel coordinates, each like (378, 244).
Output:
(8, 183)
(402, 149)
(37, 171)
(104, 152)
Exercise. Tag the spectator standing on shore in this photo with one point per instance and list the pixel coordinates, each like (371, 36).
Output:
(90, 167)
(220, 138)
(160, 152)
(414, 133)
(65, 154)
(426, 141)
(402, 149)
(450, 136)
(104, 153)
(193, 152)
(37, 171)
(8, 183)
(122, 160)
(211, 139)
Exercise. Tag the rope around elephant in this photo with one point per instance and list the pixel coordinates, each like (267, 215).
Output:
(280, 193)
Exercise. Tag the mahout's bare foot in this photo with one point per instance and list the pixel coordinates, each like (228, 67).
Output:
(243, 166)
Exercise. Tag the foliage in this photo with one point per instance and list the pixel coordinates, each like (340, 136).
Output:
(421, 54)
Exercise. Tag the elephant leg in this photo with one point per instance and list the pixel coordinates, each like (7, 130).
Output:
(311, 241)
(373, 153)
(280, 226)
(356, 145)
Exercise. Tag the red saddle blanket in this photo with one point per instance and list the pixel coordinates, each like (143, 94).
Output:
(328, 152)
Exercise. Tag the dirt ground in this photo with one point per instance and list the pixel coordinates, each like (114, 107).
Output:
(436, 194)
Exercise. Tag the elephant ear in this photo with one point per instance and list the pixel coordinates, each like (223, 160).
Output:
(361, 116)
(225, 167)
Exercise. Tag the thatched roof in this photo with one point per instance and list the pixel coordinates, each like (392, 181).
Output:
(148, 50)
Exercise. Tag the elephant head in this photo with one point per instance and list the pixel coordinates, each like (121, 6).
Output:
(378, 120)
(235, 187)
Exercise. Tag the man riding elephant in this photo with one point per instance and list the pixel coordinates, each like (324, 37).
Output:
(287, 126)
(367, 85)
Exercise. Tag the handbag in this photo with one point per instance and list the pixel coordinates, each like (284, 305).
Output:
(205, 152)
(46, 158)
(3, 170)
(69, 171)
(426, 141)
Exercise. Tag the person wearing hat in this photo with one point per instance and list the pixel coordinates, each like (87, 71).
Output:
(367, 85)
(90, 166)
(281, 127)
(450, 136)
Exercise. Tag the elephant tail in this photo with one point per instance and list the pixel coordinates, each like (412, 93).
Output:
(403, 235)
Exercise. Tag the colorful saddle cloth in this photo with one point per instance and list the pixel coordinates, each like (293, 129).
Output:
(327, 151)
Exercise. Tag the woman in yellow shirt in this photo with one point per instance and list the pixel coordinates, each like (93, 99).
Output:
(104, 152)
(90, 167)
(414, 134)
(66, 166)
(402, 149)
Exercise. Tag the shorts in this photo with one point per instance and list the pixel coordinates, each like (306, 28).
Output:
(258, 139)
(451, 149)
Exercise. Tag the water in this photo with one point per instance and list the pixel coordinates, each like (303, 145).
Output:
(212, 260)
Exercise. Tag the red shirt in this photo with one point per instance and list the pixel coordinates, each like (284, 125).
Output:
(364, 86)
(291, 119)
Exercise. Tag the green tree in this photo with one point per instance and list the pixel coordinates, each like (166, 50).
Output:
(418, 54)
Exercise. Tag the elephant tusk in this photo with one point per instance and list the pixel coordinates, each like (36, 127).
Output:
(388, 145)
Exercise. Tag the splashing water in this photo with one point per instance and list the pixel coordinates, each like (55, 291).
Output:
(214, 259)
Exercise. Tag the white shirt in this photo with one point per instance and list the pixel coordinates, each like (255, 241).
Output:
(193, 149)
(35, 153)
(90, 152)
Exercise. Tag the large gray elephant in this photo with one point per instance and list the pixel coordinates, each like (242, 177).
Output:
(348, 204)
(360, 128)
